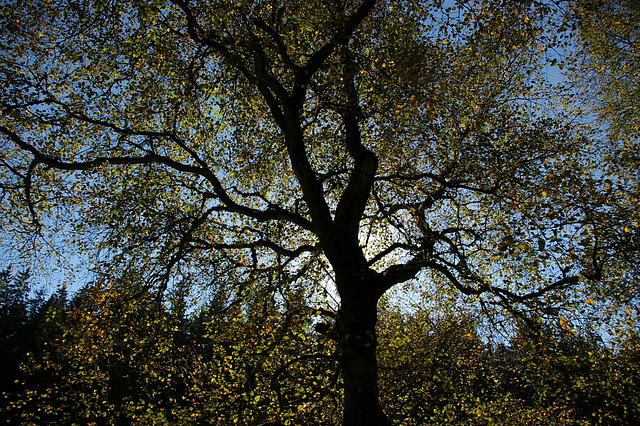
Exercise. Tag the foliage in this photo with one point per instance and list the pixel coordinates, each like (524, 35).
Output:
(117, 359)
(440, 371)
(292, 148)
(29, 322)
(120, 357)
(578, 378)
(605, 77)
(609, 53)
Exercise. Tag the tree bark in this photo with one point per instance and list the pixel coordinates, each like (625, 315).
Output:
(356, 325)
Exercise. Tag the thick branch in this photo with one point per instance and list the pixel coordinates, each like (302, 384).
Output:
(442, 179)
(400, 273)
(269, 87)
(306, 72)
(42, 158)
(340, 38)
(355, 197)
(261, 243)
(389, 250)
(286, 109)
(272, 213)
(277, 39)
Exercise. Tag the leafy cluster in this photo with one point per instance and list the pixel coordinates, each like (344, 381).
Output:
(609, 54)
(102, 357)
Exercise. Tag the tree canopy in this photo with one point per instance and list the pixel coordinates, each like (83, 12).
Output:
(322, 148)
(101, 357)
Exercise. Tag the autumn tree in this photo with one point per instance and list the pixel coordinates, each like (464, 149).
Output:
(304, 145)
(443, 368)
(604, 74)
(570, 375)
(608, 53)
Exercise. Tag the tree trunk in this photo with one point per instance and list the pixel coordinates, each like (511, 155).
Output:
(357, 326)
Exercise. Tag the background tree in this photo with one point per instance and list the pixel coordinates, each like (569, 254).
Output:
(29, 322)
(571, 373)
(114, 356)
(119, 357)
(13, 314)
(445, 370)
(609, 55)
(605, 75)
(298, 144)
